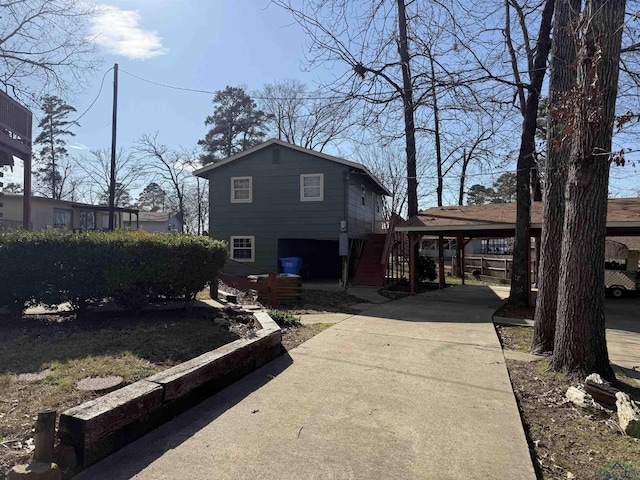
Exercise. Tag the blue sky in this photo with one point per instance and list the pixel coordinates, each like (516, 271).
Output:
(201, 45)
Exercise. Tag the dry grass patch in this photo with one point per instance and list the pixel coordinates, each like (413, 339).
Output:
(66, 350)
(292, 337)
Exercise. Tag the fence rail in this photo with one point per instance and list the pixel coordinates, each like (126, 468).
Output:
(497, 267)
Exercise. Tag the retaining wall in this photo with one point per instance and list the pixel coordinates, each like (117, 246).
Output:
(99, 427)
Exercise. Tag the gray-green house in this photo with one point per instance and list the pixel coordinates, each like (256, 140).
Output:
(278, 200)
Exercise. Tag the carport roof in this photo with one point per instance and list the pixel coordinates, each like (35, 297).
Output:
(623, 218)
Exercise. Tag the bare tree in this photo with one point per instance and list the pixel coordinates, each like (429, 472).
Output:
(520, 283)
(130, 172)
(302, 117)
(169, 168)
(373, 41)
(44, 47)
(67, 183)
(387, 163)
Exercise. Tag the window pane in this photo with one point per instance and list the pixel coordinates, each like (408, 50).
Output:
(87, 220)
(61, 218)
(242, 248)
(311, 186)
(241, 194)
(312, 181)
(242, 189)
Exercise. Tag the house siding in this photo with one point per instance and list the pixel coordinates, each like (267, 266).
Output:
(362, 219)
(276, 211)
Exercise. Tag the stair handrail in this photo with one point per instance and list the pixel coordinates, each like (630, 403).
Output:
(388, 243)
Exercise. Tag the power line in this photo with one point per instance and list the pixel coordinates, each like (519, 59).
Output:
(94, 100)
(209, 92)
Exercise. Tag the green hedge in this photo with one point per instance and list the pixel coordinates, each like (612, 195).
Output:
(51, 267)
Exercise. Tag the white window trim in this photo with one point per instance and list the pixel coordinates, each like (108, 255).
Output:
(314, 199)
(253, 248)
(242, 200)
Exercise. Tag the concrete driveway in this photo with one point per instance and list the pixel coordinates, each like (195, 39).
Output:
(623, 333)
(411, 389)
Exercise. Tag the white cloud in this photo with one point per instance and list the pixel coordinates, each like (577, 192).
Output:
(78, 146)
(119, 32)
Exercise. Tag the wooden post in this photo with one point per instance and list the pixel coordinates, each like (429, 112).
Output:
(441, 282)
(44, 436)
(461, 246)
(529, 290)
(537, 262)
(413, 239)
(272, 287)
(26, 194)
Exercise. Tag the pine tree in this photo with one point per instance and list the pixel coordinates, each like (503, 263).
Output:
(237, 125)
(54, 127)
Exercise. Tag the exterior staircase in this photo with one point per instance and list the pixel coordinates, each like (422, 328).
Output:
(371, 271)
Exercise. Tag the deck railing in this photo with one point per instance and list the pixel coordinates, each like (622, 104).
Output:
(393, 254)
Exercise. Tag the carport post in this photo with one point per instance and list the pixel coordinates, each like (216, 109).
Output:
(460, 247)
(441, 280)
(413, 243)
(272, 288)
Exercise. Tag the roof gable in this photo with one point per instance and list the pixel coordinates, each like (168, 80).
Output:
(202, 172)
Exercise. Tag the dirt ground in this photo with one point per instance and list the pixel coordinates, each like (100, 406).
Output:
(566, 441)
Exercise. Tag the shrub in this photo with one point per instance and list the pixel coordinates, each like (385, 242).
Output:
(51, 267)
(284, 319)
(426, 268)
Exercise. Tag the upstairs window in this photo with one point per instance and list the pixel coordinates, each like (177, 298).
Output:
(312, 187)
(243, 249)
(241, 189)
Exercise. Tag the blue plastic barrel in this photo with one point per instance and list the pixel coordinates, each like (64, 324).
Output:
(291, 265)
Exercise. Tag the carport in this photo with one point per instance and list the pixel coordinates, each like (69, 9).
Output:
(465, 222)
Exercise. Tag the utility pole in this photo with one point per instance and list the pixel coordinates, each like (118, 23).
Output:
(112, 183)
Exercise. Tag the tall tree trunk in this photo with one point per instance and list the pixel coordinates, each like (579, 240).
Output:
(536, 187)
(580, 340)
(561, 81)
(409, 123)
(436, 129)
(463, 174)
(520, 285)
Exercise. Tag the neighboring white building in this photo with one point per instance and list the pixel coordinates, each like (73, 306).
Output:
(159, 222)
(51, 213)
